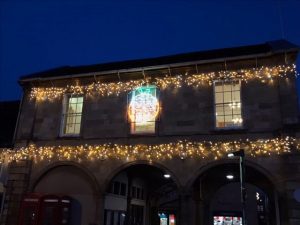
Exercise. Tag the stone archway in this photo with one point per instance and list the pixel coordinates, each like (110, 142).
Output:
(138, 192)
(211, 181)
(75, 182)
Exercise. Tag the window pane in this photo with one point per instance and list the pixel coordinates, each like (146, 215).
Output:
(79, 108)
(227, 97)
(236, 111)
(138, 193)
(72, 100)
(236, 96)
(229, 121)
(116, 218)
(78, 119)
(116, 187)
(227, 87)
(218, 87)
(134, 192)
(220, 121)
(219, 110)
(219, 98)
(236, 86)
(123, 189)
(72, 108)
(228, 109)
(79, 99)
(77, 129)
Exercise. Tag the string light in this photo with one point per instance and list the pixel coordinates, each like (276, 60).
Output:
(264, 74)
(180, 149)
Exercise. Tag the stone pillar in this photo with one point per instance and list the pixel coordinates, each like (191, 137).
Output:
(99, 217)
(291, 200)
(186, 209)
(17, 185)
(199, 212)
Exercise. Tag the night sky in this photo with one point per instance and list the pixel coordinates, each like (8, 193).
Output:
(38, 35)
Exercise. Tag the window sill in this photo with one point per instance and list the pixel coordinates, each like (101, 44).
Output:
(229, 130)
(69, 136)
(142, 135)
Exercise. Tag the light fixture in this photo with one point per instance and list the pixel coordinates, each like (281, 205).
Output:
(240, 153)
(167, 176)
(230, 155)
(229, 176)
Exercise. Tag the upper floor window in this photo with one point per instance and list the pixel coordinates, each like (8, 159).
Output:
(143, 109)
(72, 112)
(228, 104)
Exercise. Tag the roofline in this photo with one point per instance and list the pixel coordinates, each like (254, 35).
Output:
(163, 66)
(271, 45)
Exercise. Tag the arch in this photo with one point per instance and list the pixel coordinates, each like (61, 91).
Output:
(93, 181)
(204, 168)
(140, 162)
(212, 178)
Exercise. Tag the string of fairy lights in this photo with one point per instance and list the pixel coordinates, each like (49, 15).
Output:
(263, 74)
(180, 149)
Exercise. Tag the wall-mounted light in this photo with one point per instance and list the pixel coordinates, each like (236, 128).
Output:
(229, 176)
(167, 176)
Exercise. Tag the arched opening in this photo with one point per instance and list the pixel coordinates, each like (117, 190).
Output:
(141, 194)
(218, 197)
(73, 182)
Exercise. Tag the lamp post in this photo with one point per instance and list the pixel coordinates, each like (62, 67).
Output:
(241, 155)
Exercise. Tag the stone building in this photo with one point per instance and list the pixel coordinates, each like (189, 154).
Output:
(8, 119)
(145, 142)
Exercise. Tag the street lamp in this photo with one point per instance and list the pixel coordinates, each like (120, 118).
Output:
(241, 155)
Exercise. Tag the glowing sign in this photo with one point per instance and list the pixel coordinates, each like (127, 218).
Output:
(143, 109)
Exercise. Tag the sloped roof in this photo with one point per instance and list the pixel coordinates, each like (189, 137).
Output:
(271, 47)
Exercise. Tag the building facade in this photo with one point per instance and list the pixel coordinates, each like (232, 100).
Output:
(145, 142)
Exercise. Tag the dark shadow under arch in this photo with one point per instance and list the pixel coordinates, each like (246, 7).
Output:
(140, 162)
(211, 177)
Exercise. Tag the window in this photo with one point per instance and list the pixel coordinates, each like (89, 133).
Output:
(72, 112)
(143, 108)
(228, 104)
(137, 193)
(118, 188)
(114, 217)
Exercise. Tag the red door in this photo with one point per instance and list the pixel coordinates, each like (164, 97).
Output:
(29, 213)
(45, 210)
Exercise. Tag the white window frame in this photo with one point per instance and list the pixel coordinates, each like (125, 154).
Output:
(215, 104)
(63, 114)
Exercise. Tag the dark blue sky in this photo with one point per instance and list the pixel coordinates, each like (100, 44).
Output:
(38, 35)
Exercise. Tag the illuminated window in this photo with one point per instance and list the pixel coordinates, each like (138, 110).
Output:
(228, 104)
(143, 108)
(72, 112)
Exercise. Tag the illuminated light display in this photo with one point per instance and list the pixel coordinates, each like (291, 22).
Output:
(180, 149)
(263, 74)
(143, 109)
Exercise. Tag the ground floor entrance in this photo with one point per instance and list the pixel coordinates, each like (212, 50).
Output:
(144, 194)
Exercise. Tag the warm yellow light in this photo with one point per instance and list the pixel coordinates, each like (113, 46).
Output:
(263, 74)
(180, 149)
